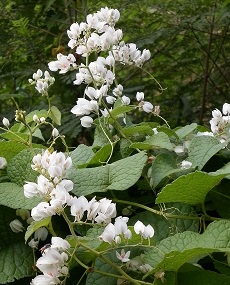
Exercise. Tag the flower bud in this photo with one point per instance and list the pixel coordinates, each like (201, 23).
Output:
(3, 162)
(55, 133)
(6, 122)
(35, 118)
(16, 226)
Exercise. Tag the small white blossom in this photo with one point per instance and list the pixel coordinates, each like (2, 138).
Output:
(147, 107)
(86, 121)
(123, 257)
(140, 96)
(144, 231)
(226, 109)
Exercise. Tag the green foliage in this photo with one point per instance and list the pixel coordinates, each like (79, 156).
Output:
(119, 175)
(129, 158)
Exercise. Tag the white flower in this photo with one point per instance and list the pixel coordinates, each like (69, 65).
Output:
(147, 107)
(216, 114)
(6, 122)
(86, 121)
(140, 96)
(125, 100)
(3, 162)
(45, 279)
(106, 211)
(78, 207)
(144, 231)
(185, 164)
(59, 244)
(123, 257)
(108, 234)
(16, 226)
(226, 109)
(42, 210)
(110, 99)
(52, 261)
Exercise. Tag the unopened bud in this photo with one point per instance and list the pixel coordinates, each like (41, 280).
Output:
(35, 118)
(55, 133)
(6, 122)
(16, 226)
(20, 116)
(3, 162)
(42, 119)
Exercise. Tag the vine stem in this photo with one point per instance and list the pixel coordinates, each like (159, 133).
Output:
(166, 215)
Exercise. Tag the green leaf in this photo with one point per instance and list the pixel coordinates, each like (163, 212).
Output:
(16, 258)
(101, 155)
(201, 149)
(39, 113)
(184, 131)
(36, 225)
(121, 110)
(173, 252)
(16, 262)
(19, 169)
(202, 277)
(81, 155)
(17, 133)
(138, 129)
(167, 227)
(9, 149)
(12, 195)
(163, 166)
(191, 188)
(159, 140)
(100, 139)
(125, 149)
(55, 115)
(119, 175)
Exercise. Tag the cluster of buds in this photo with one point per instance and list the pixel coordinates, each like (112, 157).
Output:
(42, 84)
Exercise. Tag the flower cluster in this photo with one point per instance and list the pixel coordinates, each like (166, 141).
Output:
(219, 121)
(54, 191)
(53, 262)
(115, 233)
(98, 34)
(42, 84)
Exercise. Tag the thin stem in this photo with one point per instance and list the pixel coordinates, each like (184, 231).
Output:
(160, 213)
